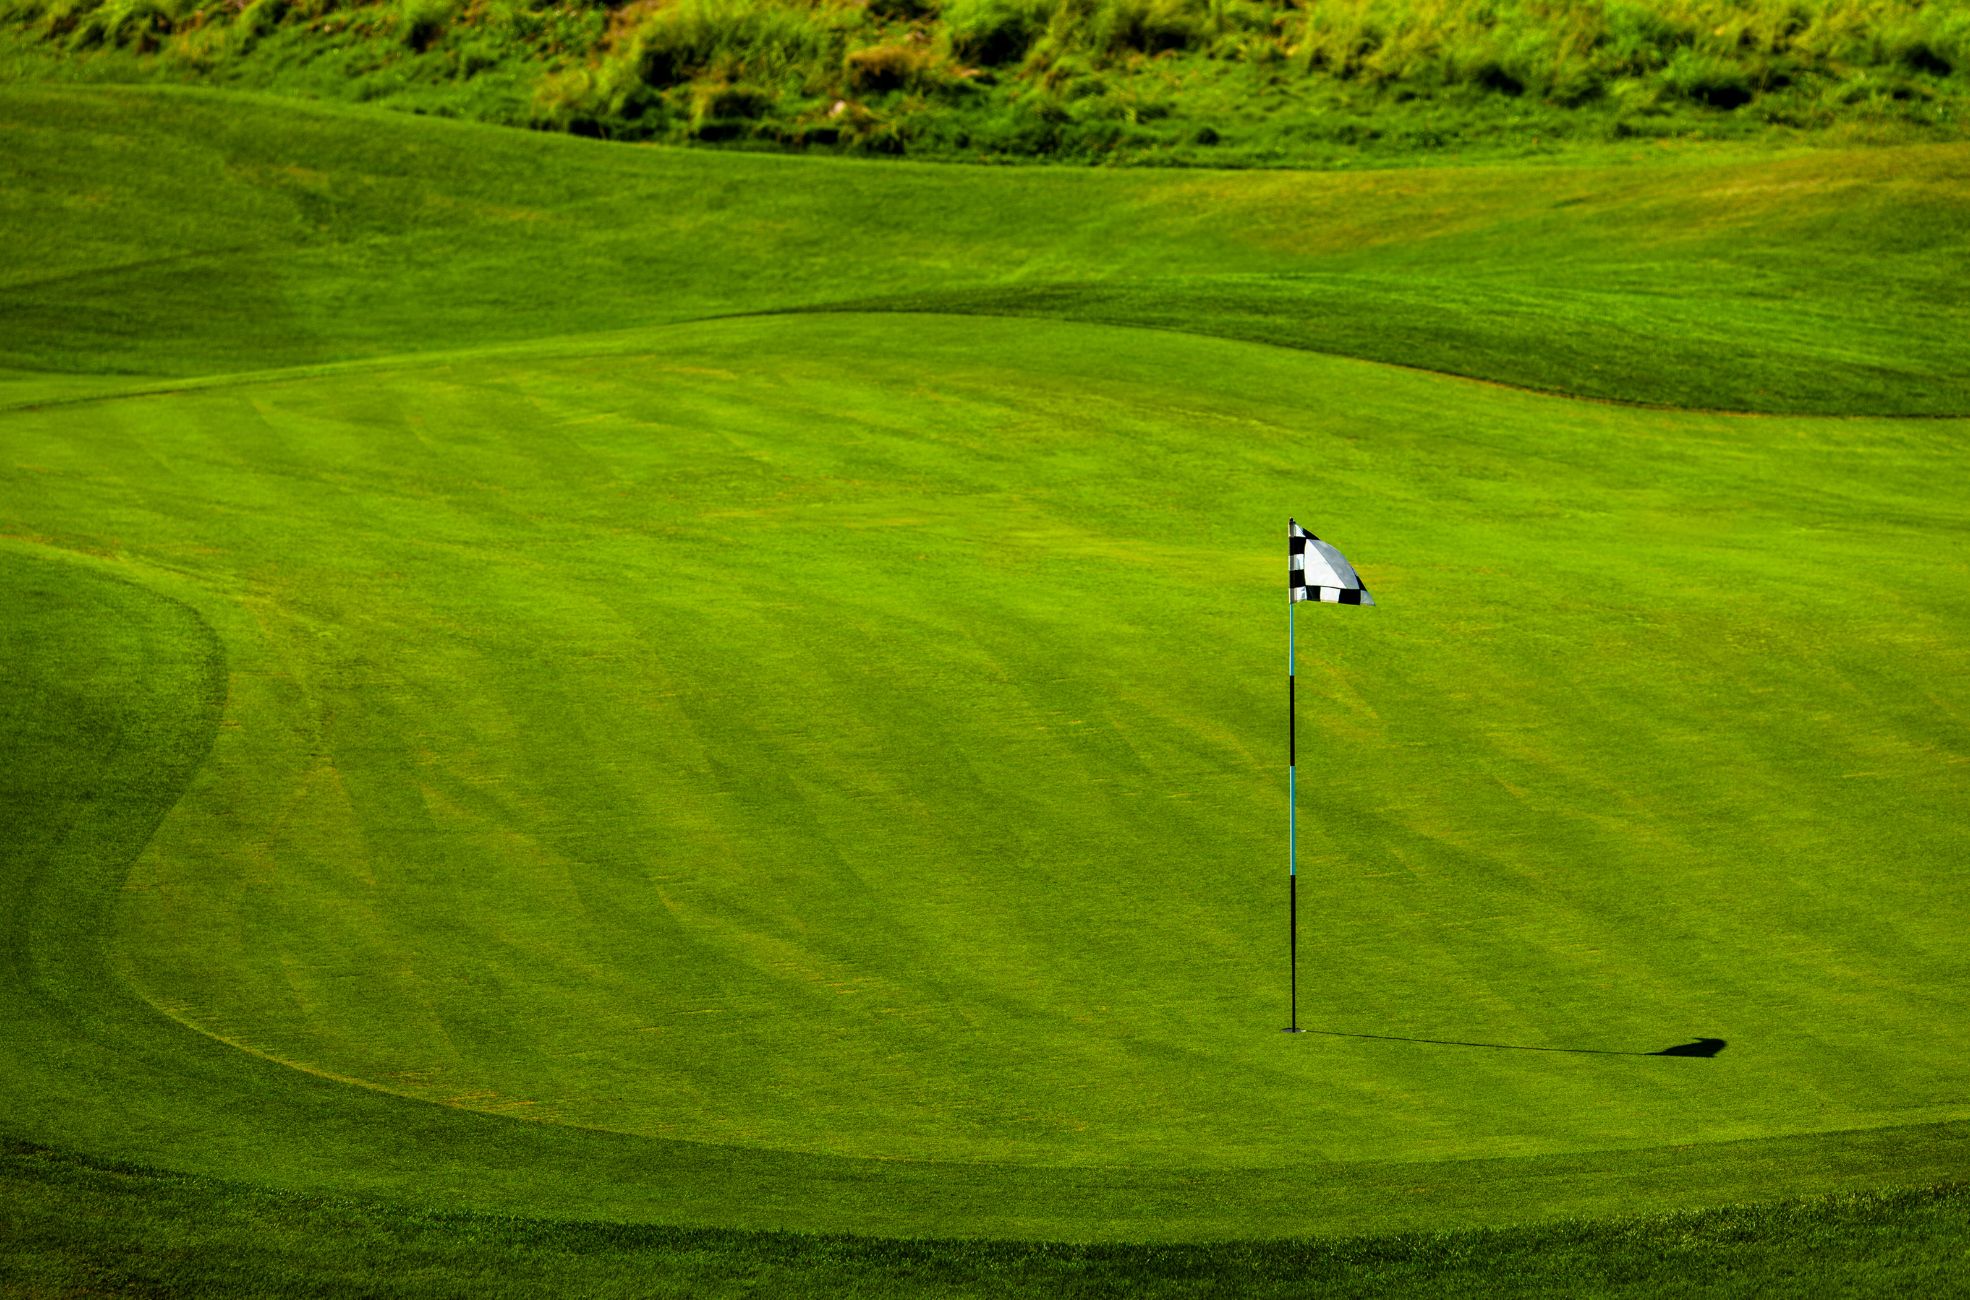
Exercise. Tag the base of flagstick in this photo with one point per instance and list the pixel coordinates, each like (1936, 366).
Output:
(1290, 1030)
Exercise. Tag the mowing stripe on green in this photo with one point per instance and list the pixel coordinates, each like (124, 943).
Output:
(929, 897)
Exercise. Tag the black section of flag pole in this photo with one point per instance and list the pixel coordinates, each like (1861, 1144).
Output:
(1293, 950)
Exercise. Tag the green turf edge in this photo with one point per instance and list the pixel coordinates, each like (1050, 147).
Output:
(74, 1226)
(38, 392)
(1021, 303)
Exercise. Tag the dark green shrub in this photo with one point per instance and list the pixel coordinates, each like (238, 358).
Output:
(1145, 26)
(902, 10)
(720, 100)
(1919, 56)
(609, 102)
(994, 32)
(1492, 75)
(422, 22)
(1575, 84)
(753, 40)
(1238, 18)
(891, 67)
(261, 17)
(1707, 80)
(1932, 43)
(1032, 124)
(480, 54)
(134, 24)
(1338, 43)
(1949, 38)
(1635, 39)
(64, 16)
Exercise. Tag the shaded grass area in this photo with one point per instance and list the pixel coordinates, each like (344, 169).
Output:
(1197, 82)
(1588, 337)
(177, 233)
(77, 1228)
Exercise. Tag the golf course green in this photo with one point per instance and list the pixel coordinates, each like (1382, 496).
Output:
(551, 681)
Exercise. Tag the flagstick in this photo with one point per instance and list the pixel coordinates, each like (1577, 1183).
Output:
(1292, 839)
(1314, 571)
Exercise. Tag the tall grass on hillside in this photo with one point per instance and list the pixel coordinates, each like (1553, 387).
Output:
(1128, 78)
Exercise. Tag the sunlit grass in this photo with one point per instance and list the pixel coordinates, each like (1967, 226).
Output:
(571, 708)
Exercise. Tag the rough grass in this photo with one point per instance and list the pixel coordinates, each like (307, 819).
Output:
(1215, 81)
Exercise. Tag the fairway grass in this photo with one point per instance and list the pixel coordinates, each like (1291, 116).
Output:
(755, 705)
(175, 234)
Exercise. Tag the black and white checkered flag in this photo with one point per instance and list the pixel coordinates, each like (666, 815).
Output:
(1316, 571)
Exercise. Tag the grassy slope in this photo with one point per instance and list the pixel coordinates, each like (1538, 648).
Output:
(479, 763)
(208, 241)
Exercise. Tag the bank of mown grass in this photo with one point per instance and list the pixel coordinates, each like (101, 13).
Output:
(1182, 81)
(168, 232)
(75, 1228)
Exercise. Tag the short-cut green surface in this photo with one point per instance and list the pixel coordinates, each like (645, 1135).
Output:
(482, 733)
(126, 1230)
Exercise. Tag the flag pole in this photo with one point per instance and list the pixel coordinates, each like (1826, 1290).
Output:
(1292, 836)
(1314, 571)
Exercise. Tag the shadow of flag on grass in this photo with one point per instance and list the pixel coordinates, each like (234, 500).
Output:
(1701, 1047)
(1704, 1047)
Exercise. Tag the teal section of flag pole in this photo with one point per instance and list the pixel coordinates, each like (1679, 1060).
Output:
(1292, 839)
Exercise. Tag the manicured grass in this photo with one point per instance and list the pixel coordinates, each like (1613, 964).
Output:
(122, 1230)
(189, 236)
(513, 714)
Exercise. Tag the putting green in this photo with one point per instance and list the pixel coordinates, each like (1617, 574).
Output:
(823, 770)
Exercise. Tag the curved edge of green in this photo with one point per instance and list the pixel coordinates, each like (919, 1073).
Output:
(1351, 338)
(116, 694)
(79, 1226)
